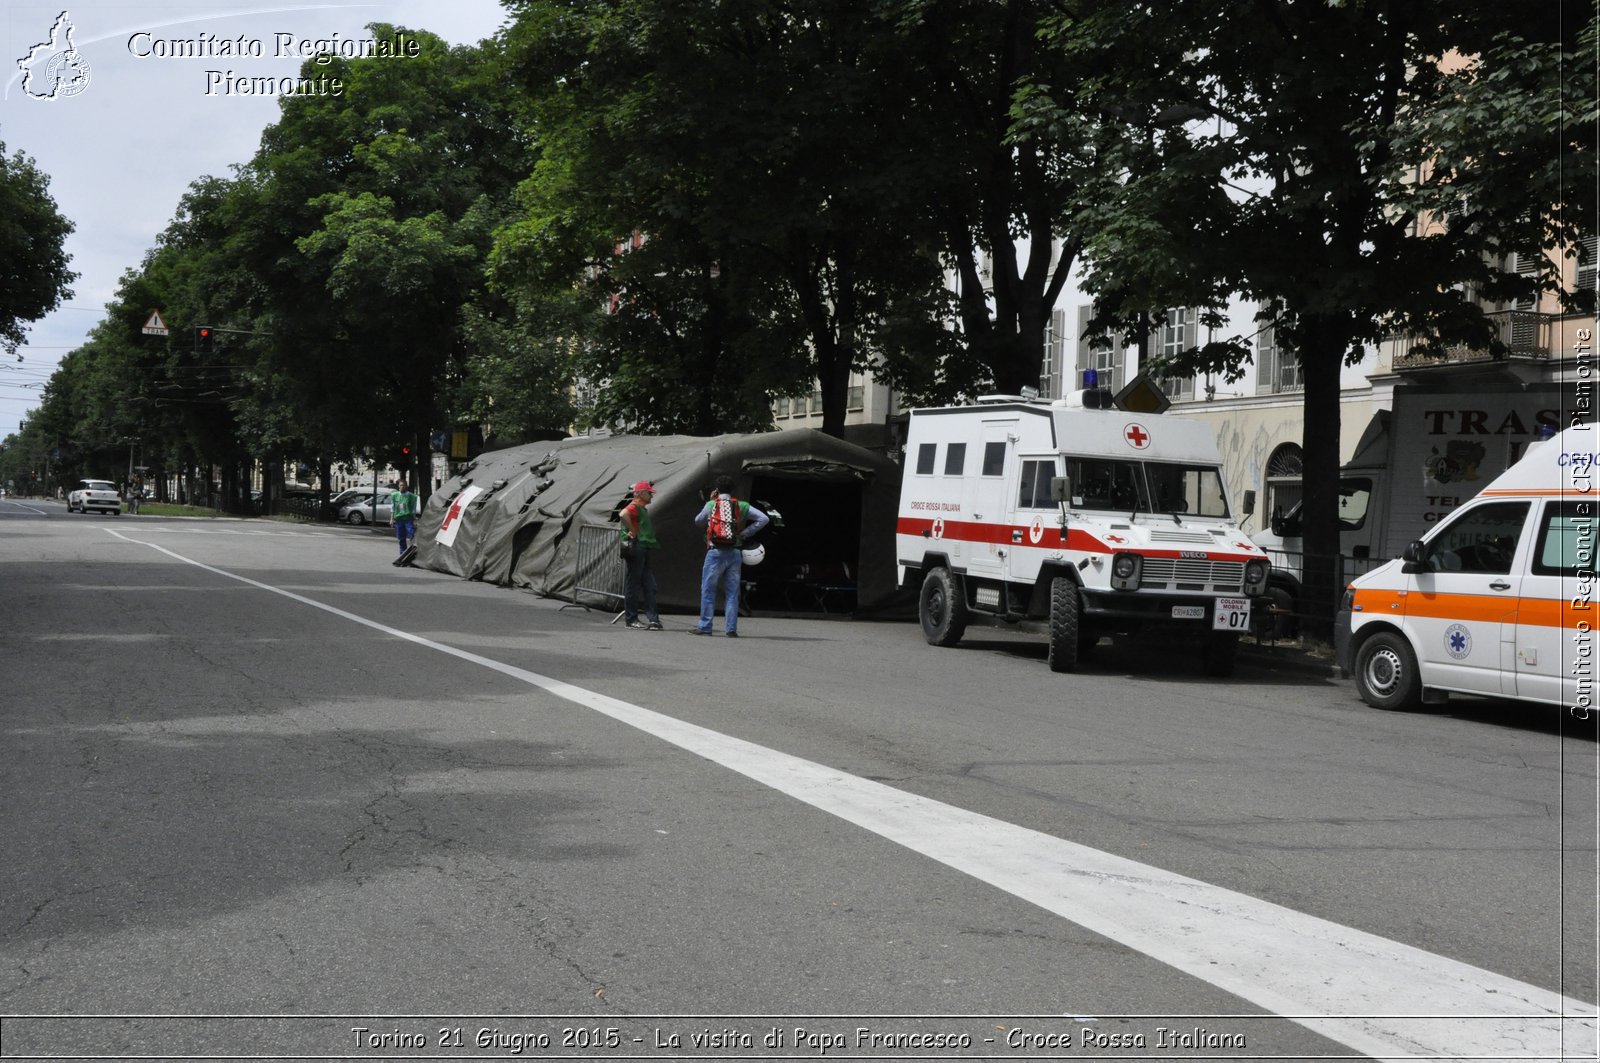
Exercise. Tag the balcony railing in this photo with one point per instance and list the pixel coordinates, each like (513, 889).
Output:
(1528, 333)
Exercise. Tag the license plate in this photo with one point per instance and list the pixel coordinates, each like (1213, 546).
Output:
(1188, 612)
(1231, 614)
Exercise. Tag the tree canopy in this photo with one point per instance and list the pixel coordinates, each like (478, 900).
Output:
(34, 278)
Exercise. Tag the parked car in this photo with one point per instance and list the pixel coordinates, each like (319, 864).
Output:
(95, 494)
(362, 511)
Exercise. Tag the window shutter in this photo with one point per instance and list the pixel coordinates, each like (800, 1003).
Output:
(1588, 251)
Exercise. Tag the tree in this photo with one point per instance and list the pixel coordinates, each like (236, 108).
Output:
(1299, 187)
(762, 155)
(34, 278)
(363, 224)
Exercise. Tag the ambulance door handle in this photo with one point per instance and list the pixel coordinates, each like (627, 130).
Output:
(1499, 585)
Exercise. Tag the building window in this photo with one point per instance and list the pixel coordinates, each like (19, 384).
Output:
(855, 397)
(1177, 333)
(1099, 352)
(1277, 370)
(1051, 365)
(1284, 485)
(816, 399)
(782, 407)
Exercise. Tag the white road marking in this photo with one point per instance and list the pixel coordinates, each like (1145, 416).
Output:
(20, 505)
(1379, 997)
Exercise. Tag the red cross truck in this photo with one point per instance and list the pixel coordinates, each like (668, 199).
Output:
(1087, 522)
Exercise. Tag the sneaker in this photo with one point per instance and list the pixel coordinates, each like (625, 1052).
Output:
(733, 634)
(697, 631)
(636, 625)
(654, 625)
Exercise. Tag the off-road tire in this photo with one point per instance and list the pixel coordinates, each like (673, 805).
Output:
(1217, 652)
(1065, 621)
(942, 608)
(1386, 673)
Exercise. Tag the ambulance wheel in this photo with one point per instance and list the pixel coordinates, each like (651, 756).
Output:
(1217, 653)
(1386, 673)
(943, 608)
(1065, 646)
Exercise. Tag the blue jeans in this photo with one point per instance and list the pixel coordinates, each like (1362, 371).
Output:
(639, 582)
(722, 568)
(405, 529)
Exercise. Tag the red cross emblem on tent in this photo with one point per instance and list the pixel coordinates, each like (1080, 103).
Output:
(1137, 435)
(451, 515)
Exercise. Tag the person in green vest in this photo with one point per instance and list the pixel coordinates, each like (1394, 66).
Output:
(639, 583)
(403, 506)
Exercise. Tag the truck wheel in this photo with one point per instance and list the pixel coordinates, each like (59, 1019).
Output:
(943, 608)
(1064, 623)
(1217, 652)
(1386, 673)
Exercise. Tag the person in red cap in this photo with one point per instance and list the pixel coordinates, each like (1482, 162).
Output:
(639, 583)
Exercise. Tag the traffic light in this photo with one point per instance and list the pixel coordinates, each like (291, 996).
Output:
(203, 337)
(402, 458)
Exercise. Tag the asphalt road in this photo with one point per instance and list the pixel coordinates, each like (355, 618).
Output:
(253, 770)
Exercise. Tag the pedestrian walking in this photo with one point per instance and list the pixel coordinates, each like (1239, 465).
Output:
(134, 493)
(728, 522)
(639, 546)
(403, 506)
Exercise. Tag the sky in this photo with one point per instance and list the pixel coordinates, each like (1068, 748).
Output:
(122, 149)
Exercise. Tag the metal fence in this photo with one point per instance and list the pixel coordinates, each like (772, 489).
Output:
(1285, 620)
(598, 571)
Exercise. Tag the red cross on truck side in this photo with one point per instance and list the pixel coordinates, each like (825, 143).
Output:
(1136, 435)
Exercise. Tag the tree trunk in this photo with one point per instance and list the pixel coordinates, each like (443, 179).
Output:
(1321, 359)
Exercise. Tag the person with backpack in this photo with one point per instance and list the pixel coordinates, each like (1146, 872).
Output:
(639, 547)
(728, 522)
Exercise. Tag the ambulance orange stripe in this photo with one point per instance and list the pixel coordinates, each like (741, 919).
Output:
(1478, 608)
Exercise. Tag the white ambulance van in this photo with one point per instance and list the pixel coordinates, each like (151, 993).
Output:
(1099, 521)
(1497, 599)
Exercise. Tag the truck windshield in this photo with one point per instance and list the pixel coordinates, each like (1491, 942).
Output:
(1100, 483)
(1193, 490)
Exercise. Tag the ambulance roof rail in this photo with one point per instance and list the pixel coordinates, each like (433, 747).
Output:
(987, 400)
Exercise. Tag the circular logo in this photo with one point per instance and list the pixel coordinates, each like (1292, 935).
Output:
(67, 74)
(1457, 641)
(1036, 531)
(1137, 435)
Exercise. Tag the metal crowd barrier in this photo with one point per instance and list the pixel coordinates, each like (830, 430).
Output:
(599, 569)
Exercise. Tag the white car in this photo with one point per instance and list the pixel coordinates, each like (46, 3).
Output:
(362, 511)
(95, 494)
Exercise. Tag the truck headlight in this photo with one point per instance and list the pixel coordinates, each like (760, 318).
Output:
(1348, 602)
(1125, 570)
(1255, 576)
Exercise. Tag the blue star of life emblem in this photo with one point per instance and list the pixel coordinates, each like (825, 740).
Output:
(1457, 641)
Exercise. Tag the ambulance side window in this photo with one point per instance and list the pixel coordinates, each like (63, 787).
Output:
(955, 459)
(1482, 539)
(994, 459)
(1567, 539)
(1035, 492)
(925, 454)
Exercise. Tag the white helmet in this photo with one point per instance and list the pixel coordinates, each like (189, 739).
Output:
(754, 555)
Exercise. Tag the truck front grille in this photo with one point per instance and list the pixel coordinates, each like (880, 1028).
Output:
(1220, 575)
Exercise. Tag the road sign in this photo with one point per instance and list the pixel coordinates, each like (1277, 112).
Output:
(155, 326)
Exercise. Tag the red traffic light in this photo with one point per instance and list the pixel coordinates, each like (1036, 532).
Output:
(406, 451)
